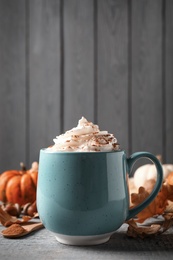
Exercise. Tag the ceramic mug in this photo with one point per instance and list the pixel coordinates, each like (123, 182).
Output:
(83, 197)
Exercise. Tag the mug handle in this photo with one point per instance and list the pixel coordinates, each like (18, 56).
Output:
(130, 161)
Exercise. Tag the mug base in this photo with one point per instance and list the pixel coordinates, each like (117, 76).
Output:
(83, 240)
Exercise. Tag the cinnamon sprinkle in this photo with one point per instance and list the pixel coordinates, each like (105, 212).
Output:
(14, 229)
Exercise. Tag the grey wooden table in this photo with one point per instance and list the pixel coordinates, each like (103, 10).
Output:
(43, 245)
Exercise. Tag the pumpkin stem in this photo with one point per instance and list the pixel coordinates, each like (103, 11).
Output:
(23, 167)
(34, 167)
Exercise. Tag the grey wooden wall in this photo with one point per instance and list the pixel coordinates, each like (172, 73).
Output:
(108, 60)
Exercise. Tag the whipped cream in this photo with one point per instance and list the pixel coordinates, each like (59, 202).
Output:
(86, 137)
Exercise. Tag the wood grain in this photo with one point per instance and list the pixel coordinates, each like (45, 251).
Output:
(113, 69)
(147, 105)
(169, 81)
(78, 62)
(44, 74)
(110, 61)
(12, 84)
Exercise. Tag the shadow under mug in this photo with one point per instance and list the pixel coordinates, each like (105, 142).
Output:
(83, 197)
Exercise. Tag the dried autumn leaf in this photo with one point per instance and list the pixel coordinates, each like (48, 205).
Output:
(139, 197)
(153, 229)
(143, 231)
(167, 224)
(169, 185)
(156, 207)
(168, 216)
(169, 179)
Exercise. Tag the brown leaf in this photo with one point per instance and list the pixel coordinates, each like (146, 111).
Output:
(168, 216)
(169, 179)
(168, 222)
(143, 231)
(156, 207)
(169, 191)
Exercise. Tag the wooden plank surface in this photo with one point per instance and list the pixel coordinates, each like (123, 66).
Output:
(78, 62)
(44, 74)
(147, 103)
(112, 67)
(169, 81)
(110, 61)
(12, 84)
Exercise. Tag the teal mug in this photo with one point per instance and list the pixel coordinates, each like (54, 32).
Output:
(83, 197)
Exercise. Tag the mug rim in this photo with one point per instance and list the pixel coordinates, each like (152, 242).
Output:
(45, 150)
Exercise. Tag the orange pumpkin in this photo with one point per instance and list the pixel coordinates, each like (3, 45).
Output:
(19, 186)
